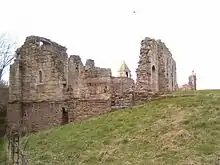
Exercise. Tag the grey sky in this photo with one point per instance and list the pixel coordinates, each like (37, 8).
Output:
(108, 31)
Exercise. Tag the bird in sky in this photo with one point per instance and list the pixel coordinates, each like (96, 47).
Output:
(134, 11)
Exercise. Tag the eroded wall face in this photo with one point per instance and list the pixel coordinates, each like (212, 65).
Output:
(38, 74)
(122, 91)
(75, 68)
(171, 74)
(15, 81)
(144, 68)
(148, 68)
(154, 77)
(99, 88)
(42, 115)
(163, 80)
(174, 84)
(90, 108)
(41, 70)
(88, 81)
(156, 70)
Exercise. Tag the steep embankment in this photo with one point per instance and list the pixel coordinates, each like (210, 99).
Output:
(183, 130)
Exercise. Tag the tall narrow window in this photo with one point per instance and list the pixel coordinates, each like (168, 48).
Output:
(40, 76)
(65, 117)
(154, 80)
(126, 74)
(105, 89)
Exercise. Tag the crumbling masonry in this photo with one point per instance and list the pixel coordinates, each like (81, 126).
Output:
(48, 88)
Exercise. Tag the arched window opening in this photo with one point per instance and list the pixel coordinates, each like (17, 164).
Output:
(77, 68)
(172, 83)
(105, 89)
(153, 79)
(40, 76)
(41, 43)
(126, 74)
(65, 117)
(153, 68)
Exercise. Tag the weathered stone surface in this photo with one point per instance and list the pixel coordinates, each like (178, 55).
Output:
(156, 71)
(48, 88)
(122, 91)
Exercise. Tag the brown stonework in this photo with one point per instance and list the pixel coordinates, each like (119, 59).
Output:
(48, 88)
(156, 71)
(122, 91)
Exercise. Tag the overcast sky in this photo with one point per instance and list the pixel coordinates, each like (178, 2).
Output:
(109, 32)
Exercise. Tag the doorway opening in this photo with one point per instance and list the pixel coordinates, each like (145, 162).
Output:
(154, 79)
(40, 77)
(126, 74)
(65, 117)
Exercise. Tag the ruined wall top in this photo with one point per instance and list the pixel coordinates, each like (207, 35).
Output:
(152, 42)
(76, 59)
(104, 72)
(32, 39)
(164, 47)
(37, 42)
(90, 63)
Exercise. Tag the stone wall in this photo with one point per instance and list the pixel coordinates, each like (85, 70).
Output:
(144, 68)
(122, 91)
(42, 115)
(156, 70)
(88, 81)
(39, 73)
(39, 70)
(47, 88)
(90, 108)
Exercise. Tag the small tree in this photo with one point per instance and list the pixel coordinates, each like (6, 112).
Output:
(7, 49)
(3, 106)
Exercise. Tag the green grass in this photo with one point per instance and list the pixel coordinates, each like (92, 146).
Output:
(183, 130)
(2, 151)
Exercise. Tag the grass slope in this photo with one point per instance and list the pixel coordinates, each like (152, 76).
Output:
(183, 130)
(2, 151)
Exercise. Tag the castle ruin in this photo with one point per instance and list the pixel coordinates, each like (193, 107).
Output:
(49, 88)
(191, 85)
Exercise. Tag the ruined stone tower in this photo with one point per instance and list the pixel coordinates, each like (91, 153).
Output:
(156, 70)
(38, 74)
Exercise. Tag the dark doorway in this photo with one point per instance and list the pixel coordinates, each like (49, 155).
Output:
(126, 74)
(65, 117)
(40, 76)
(154, 79)
(105, 89)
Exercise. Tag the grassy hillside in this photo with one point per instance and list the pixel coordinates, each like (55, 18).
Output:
(2, 151)
(183, 130)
